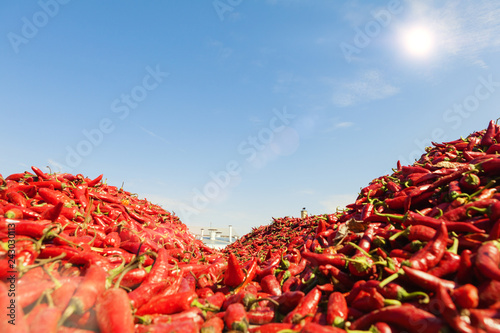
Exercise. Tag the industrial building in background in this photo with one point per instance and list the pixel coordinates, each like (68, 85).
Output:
(217, 238)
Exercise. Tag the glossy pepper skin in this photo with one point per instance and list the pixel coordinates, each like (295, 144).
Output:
(337, 311)
(234, 275)
(407, 316)
(236, 318)
(114, 313)
(488, 260)
(433, 251)
(307, 306)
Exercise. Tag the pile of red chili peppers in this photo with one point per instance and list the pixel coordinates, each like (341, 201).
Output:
(418, 251)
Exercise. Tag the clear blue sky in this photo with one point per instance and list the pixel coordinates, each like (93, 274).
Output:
(237, 111)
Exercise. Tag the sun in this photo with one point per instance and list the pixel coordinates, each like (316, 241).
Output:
(417, 41)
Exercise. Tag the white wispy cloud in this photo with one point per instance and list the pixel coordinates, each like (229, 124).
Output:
(344, 124)
(371, 85)
(154, 135)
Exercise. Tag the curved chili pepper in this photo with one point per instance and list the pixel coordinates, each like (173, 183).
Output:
(489, 135)
(307, 307)
(17, 198)
(430, 255)
(407, 316)
(426, 280)
(337, 260)
(168, 304)
(113, 311)
(93, 284)
(450, 313)
(251, 272)
(95, 181)
(488, 260)
(449, 264)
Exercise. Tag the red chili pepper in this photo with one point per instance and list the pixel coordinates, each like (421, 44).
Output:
(368, 300)
(317, 328)
(52, 213)
(466, 296)
(470, 182)
(93, 284)
(489, 135)
(291, 284)
(113, 311)
(260, 315)
(337, 311)
(17, 198)
(80, 193)
(485, 319)
(45, 320)
(406, 317)
(214, 302)
(337, 260)
(62, 294)
(161, 268)
(366, 240)
(449, 264)
(104, 197)
(488, 260)
(460, 213)
(89, 259)
(27, 213)
(289, 300)
(168, 304)
(337, 274)
(14, 213)
(133, 278)
(213, 325)
(450, 313)
(94, 182)
(33, 229)
(271, 285)
(142, 294)
(307, 306)
(236, 318)
(53, 197)
(234, 274)
(413, 218)
(426, 280)
(251, 272)
(32, 291)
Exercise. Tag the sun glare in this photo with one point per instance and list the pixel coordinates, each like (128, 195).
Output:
(417, 41)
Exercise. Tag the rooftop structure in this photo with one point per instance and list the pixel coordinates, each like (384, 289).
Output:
(217, 238)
